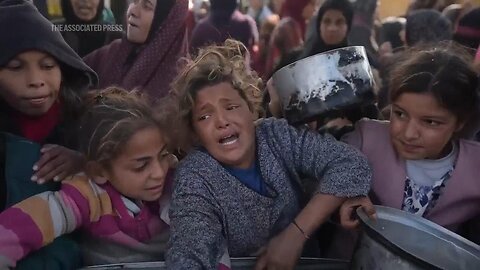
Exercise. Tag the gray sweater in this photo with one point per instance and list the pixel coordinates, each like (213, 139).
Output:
(212, 211)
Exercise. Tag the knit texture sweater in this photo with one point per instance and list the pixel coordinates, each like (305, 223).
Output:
(212, 211)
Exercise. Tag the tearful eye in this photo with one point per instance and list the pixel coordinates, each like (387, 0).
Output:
(232, 107)
(203, 117)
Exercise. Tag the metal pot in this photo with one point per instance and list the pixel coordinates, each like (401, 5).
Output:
(237, 264)
(400, 240)
(324, 84)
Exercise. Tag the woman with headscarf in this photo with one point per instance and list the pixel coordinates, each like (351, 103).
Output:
(224, 21)
(146, 58)
(299, 10)
(285, 45)
(88, 13)
(334, 20)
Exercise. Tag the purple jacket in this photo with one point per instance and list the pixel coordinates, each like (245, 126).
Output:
(457, 209)
(460, 201)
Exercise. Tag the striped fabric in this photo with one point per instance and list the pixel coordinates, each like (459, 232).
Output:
(99, 210)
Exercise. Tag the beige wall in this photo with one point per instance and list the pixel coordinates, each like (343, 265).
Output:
(393, 7)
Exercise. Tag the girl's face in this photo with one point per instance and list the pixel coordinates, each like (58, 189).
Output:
(140, 15)
(85, 10)
(224, 125)
(139, 171)
(30, 82)
(420, 128)
(333, 27)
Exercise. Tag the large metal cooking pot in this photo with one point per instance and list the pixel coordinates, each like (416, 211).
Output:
(400, 240)
(324, 84)
(237, 264)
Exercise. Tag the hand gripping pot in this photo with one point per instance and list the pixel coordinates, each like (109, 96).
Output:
(324, 84)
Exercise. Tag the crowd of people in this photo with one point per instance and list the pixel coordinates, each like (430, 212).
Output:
(166, 140)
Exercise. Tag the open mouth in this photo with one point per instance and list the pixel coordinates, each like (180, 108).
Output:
(132, 24)
(229, 140)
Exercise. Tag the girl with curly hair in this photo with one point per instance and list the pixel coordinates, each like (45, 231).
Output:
(239, 191)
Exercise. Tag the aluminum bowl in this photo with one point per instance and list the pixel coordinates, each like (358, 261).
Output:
(400, 240)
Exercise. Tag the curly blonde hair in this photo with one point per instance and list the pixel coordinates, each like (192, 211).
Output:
(213, 65)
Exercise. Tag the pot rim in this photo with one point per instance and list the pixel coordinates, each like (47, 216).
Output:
(422, 224)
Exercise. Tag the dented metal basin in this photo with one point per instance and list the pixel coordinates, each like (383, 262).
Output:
(400, 240)
(324, 84)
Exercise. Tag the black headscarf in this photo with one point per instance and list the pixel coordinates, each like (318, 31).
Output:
(221, 10)
(71, 18)
(84, 42)
(23, 28)
(319, 46)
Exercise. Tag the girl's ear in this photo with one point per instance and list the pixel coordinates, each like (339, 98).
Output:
(96, 172)
(460, 126)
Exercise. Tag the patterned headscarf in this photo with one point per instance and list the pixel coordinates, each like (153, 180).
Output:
(150, 67)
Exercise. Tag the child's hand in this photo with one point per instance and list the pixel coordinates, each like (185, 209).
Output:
(282, 251)
(348, 207)
(56, 162)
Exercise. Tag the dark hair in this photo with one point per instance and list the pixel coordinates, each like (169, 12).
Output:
(111, 117)
(390, 31)
(468, 29)
(445, 71)
(424, 26)
(343, 6)
(318, 45)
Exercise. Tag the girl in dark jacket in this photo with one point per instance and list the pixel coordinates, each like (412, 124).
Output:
(41, 80)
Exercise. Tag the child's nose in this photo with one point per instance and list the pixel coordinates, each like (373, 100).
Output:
(35, 79)
(411, 130)
(159, 170)
(222, 121)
